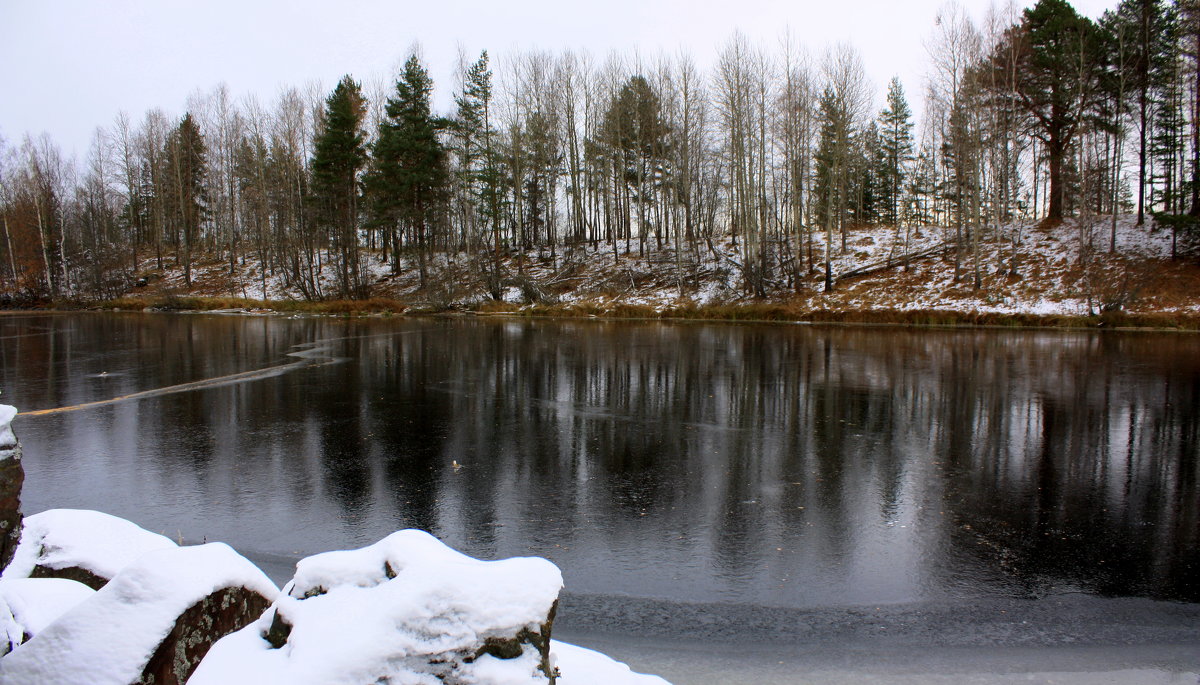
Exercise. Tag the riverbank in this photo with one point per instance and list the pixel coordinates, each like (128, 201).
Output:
(744, 312)
(755, 312)
(1050, 279)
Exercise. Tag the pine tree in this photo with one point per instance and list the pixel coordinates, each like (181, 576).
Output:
(1147, 27)
(831, 192)
(184, 188)
(1057, 62)
(409, 180)
(867, 178)
(896, 148)
(1166, 144)
(478, 168)
(638, 138)
(472, 135)
(338, 159)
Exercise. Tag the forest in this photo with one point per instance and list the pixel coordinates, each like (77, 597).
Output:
(1033, 115)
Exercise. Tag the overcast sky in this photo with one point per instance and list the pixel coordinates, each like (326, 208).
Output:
(67, 66)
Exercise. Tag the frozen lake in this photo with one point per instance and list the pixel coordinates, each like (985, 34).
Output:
(769, 484)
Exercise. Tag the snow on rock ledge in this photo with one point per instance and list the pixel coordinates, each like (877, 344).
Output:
(28, 605)
(81, 545)
(407, 609)
(152, 623)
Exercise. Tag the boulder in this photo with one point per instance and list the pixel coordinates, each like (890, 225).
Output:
(407, 609)
(196, 630)
(12, 477)
(85, 546)
(152, 623)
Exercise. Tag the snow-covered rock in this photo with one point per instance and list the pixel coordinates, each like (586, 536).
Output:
(8, 439)
(407, 609)
(579, 666)
(12, 477)
(87, 546)
(152, 622)
(28, 605)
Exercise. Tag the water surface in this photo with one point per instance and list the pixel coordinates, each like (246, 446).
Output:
(779, 466)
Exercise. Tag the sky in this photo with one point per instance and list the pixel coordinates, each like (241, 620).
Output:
(68, 66)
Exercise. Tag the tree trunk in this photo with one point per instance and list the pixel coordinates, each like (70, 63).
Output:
(1055, 151)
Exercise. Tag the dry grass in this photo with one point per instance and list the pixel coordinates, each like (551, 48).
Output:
(743, 312)
(376, 305)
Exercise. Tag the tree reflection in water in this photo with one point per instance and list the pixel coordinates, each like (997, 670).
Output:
(782, 465)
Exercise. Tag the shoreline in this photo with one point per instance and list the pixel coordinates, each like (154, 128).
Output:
(753, 312)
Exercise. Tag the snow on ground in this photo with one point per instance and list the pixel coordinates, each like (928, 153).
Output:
(1052, 277)
(406, 609)
(91, 540)
(108, 637)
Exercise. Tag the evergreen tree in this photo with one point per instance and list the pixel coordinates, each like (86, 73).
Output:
(338, 158)
(542, 167)
(1147, 28)
(867, 177)
(472, 133)
(409, 180)
(831, 192)
(183, 188)
(922, 184)
(480, 175)
(638, 138)
(1167, 144)
(896, 150)
(1057, 61)
(1189, 47)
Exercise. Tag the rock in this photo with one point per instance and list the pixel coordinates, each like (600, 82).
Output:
(12, 477)
(77, 574)
(85, 546)
(152, 623)
(197, 629)
(406, 609)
